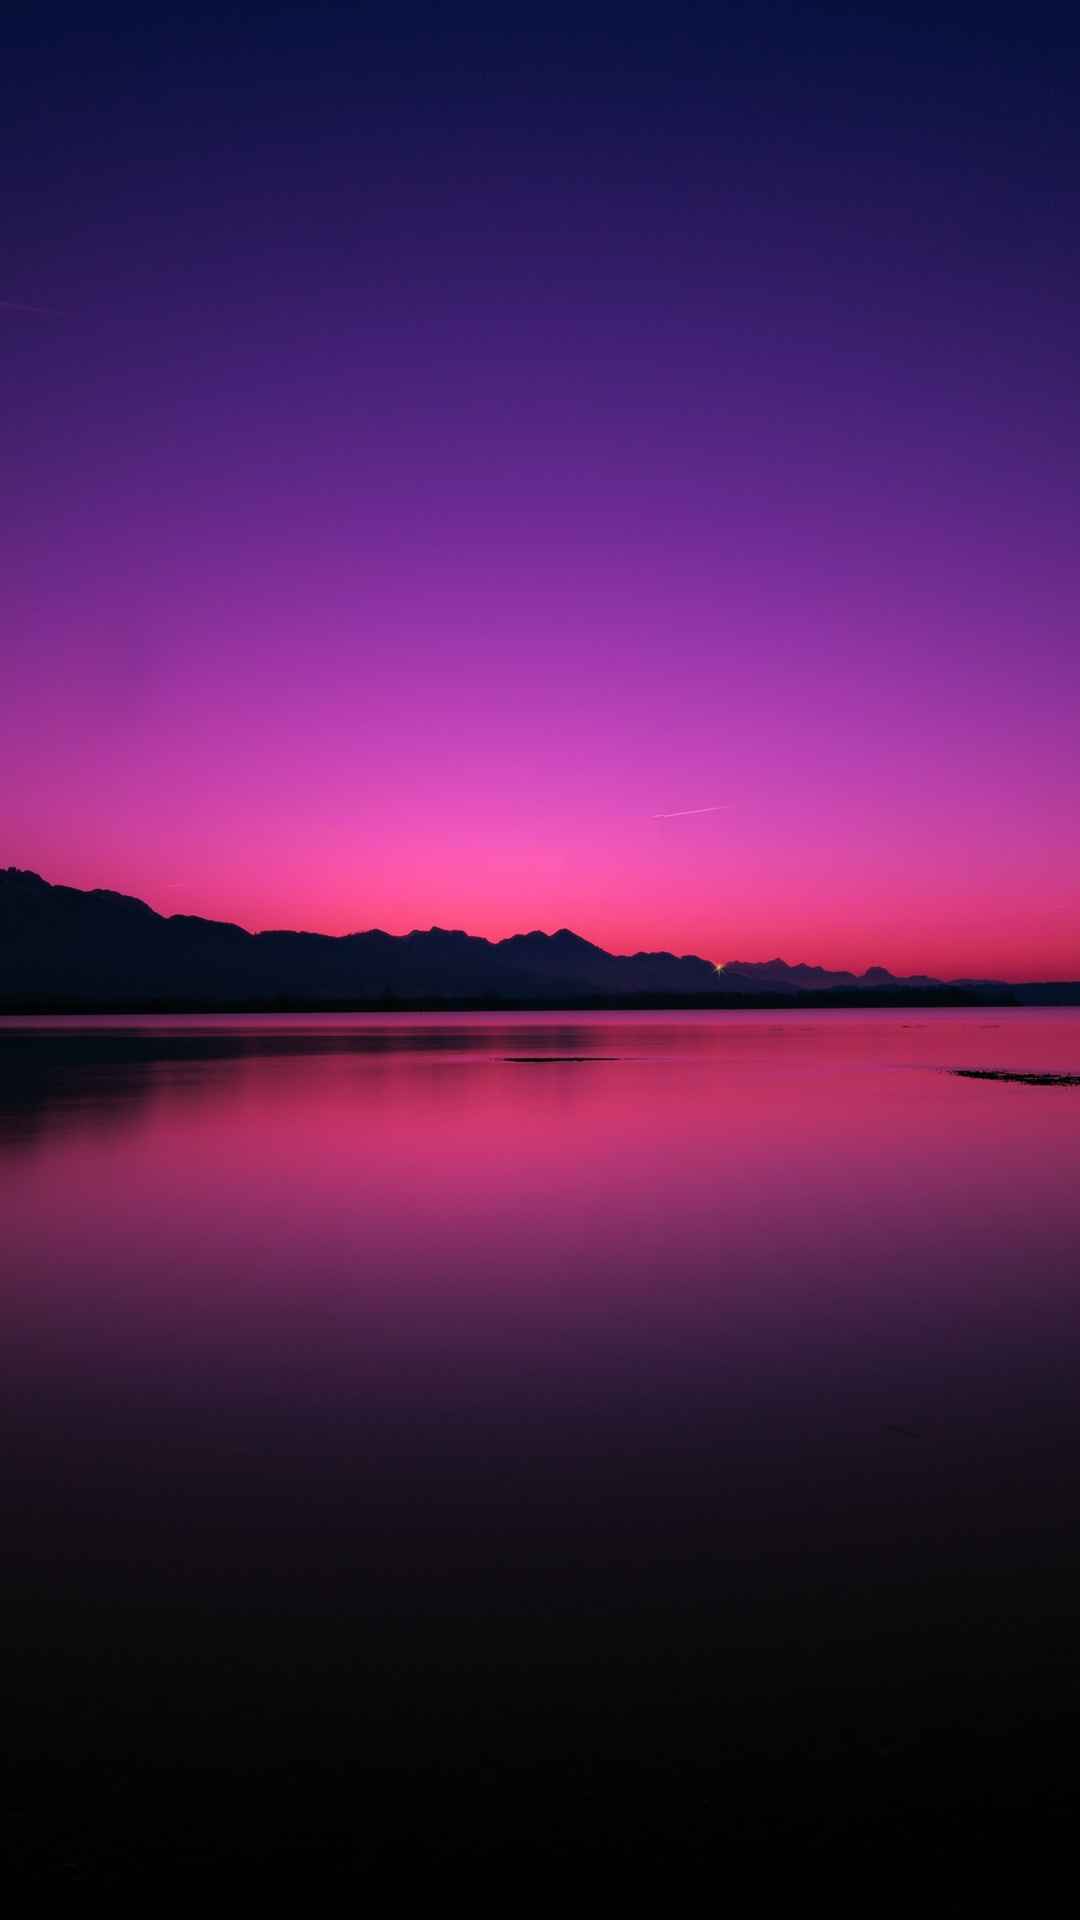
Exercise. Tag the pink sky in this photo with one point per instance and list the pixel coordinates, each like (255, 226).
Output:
(405, 506)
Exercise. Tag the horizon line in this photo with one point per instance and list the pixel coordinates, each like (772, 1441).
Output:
(976, 978)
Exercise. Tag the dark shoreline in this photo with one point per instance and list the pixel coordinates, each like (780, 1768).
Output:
(841, 998)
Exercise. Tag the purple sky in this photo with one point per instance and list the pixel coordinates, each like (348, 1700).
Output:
(444, 450)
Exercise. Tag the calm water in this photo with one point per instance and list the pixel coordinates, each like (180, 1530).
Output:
(537, 1439)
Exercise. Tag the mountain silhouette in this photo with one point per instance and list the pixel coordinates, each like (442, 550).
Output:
(58, 942)
(777, 974)
(63, 945)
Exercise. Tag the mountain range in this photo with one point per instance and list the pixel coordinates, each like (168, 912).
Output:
(61, 944)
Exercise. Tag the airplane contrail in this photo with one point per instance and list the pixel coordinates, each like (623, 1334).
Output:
(25, 306)
(683, 813)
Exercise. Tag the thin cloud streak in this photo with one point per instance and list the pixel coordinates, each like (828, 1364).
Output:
(26, 306)
(683, 813)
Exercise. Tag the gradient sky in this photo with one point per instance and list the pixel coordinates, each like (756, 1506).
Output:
(444, 444)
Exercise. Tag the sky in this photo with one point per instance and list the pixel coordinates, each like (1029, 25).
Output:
(439, 441)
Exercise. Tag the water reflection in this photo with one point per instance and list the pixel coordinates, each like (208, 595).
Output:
(380, 1399)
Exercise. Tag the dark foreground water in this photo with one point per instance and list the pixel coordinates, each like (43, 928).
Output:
(522, 1445)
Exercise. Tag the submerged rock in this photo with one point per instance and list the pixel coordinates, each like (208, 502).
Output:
(1023, 1079)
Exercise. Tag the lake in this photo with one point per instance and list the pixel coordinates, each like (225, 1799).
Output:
(532, 1442)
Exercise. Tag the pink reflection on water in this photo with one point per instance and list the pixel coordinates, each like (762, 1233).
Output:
(752, 1286)
(780, 1189)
